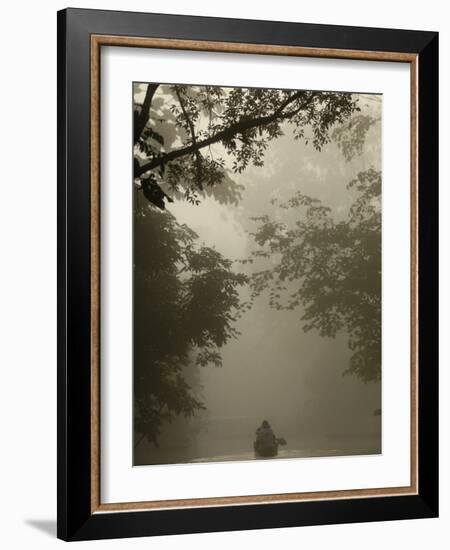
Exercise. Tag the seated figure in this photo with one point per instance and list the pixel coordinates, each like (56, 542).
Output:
(266, 443)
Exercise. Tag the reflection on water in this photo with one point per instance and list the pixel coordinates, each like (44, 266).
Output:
(221, 439)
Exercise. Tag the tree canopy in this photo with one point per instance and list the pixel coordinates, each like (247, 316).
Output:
(176, 128)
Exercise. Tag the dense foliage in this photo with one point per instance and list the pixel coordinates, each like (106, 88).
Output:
(186, 301)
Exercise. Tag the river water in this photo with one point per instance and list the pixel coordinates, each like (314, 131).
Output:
(231, 439)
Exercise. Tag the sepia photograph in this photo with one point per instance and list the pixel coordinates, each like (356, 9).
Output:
(247, 254)
(257, 268)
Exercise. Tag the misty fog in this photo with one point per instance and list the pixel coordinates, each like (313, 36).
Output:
(273, 369)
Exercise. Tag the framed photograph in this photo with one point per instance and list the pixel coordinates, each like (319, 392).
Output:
(247, 254)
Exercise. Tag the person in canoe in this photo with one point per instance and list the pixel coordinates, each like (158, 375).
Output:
(266, 444)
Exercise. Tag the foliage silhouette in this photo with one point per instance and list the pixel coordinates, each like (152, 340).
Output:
(331, 268)
(177, 127)
(186, 300)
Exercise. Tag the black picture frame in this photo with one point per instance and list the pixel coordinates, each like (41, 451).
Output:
(76, 521)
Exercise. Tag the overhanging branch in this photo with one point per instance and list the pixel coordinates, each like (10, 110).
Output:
(226, 134)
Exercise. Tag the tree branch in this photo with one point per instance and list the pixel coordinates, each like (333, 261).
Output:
(228, 133)
(141, 120)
